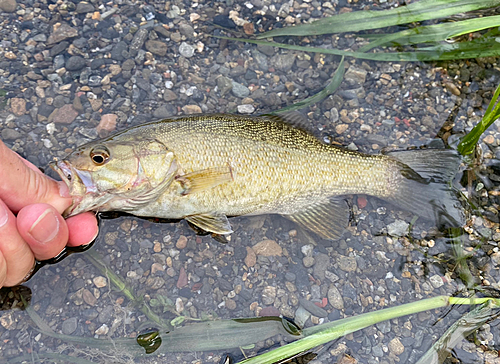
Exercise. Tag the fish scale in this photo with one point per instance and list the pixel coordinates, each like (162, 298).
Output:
(230, 165)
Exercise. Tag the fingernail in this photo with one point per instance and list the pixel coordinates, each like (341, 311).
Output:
(45, 228)
(4, 215)
(63, 189)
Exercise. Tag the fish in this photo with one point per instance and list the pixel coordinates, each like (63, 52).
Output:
(205, 168)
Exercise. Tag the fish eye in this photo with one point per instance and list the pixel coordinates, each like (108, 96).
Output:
(99, 155)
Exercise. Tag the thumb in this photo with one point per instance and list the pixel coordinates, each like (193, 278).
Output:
(22, 185)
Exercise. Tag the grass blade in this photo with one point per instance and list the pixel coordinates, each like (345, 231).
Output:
(434, 33)
(468, 142)
(334, 84)
(370, 19)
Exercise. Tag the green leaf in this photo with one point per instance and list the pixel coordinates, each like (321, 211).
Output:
(371, 19)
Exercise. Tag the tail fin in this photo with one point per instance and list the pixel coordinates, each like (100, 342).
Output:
(425, 187)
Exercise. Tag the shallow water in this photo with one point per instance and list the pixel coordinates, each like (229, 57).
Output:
(377, 263)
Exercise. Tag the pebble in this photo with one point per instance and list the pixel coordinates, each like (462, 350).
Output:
(335, 298)
(88, 297)
(308, 261)
(18, 106)
(186, 50)
(396, 347)
(181, 242)
(312, 308)
(157, 47)
(107, 123)
(182, 281)
(11, 134)
(347, 264)
(268, 295)
(100, 281)
(230, 304)
(341, 128)
(69, 326)
(246, 109)
(239, 90)
(436, 281)
(284, 62)
(489, 139)
(75, 63)
(62, 32)
(301, 316)
(191, 109)
(355, 75)
(157, 267)
(84, 7)
(8, 6)
(398, 228)
(251, 258)
(267, 248)
(65, 115)
(102, 330)
(224, 85)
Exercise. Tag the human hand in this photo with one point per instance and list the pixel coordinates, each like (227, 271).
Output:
(31, 225)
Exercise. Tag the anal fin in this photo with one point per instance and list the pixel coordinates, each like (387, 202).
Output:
(214, 223)
(328, 219)
(204, 179)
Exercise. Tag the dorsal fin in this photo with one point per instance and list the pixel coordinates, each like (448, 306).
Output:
(293, 118)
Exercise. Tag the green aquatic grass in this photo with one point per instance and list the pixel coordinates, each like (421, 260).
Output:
(468, 142)
(375, 19)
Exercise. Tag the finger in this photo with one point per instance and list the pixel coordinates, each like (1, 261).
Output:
(17, 256)
(3, 270)
(22, 185)
(82, 229)
(44, 229)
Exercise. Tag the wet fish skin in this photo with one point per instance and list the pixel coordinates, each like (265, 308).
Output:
(204, 168)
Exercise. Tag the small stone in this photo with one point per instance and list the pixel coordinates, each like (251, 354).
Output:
(75, 63)
(10, 55)
(115, 69)
(251, 258)
(100, 281)
(8, 6)
(301, 316)
(230, 304)
(240, 90)
(95, 104)
(191, 109)
(355, 76)
(246, 109)
(398, 228)
(156, 267)
(341, 128)
(347, 264)
(224, 85)
(248, 28)
(10, 134)
(269, 295)
(284, 62)
(396, 347)
(18, 106)
(103, 330)
(84, 7)
(312, 308)
(186, 50)
(179, 305)
(107, 123)
(183, 279)
(69, 326)
(65, 115)
(436, 281)
(62, 32)
(156, 47)
(7, 321)
(489, 139)
(88, 297)
(267, 248)
(308, 261)
(335, 298)
(181, 242)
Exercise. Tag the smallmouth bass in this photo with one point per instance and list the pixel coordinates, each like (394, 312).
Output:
(203, 168)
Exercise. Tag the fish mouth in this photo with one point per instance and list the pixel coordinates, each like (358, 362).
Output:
(80, 185)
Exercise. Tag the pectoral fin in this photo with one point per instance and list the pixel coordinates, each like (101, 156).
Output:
(204, 179)
(214, 223)
(327, 219)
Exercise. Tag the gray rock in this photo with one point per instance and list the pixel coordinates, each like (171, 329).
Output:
(246, 109)
(284, 62)
(169, 95)
(322, 263)
(165, 111)
(156, 47)
(186, 30)
(355, 75)
(347, 264)
(224, 85)
(312, 308)
(10, 134)
(75, 63)
(59, 61)
(138, 41)
(301, 316)
(84, 7)
(186, 50)
(69, 326)
(119, 51)
(95, 81)
(240, 90)
(335, 298)
(9, 6)
(397, 228)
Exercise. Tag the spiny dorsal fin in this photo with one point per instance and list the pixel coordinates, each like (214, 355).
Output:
(327, 219)
(292, 118)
